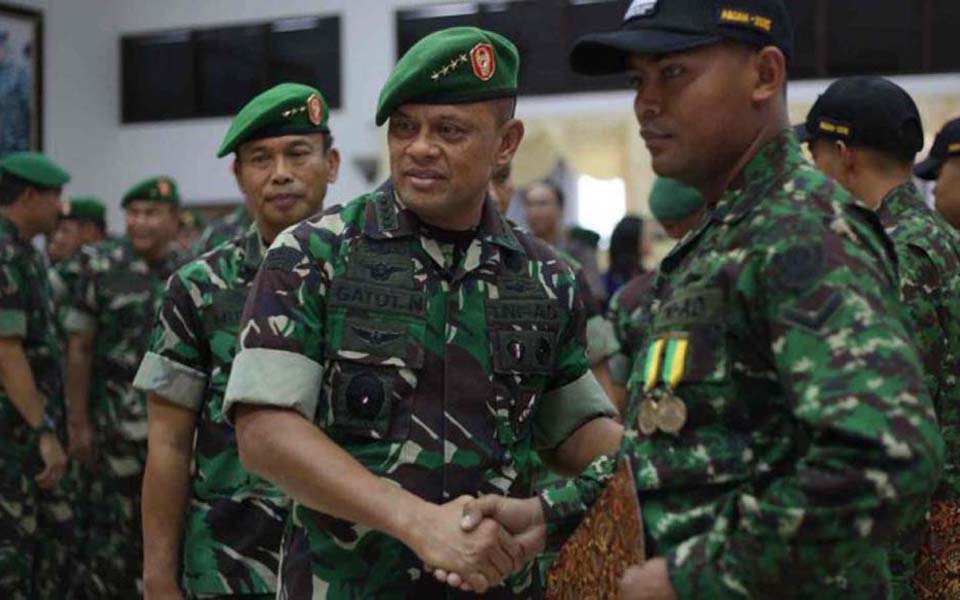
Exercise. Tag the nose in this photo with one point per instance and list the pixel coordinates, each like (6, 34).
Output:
(281, 171)
(647, 102)
(422, 148)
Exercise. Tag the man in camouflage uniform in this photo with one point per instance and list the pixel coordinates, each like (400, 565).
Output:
(118, 294)
(410, 348)
(943, 166)
(31, 382)
(232, 528)
(779, 429)
(865, 132)
(679, 209)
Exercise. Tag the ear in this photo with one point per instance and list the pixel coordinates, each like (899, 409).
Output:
(333, 165)
(511, 134)
(235, 167)
(770, 66)
(848, 156)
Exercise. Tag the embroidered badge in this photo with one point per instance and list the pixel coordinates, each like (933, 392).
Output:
(315, 109)
(450, 67)
(732, 16)
(954, 148)
(484, 63)
(640, 8)
(832, 127)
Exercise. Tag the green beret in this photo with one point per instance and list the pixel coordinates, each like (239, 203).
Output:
(34, 168)
(85, 209)
(671, 200)
(452, 66)
(285, 109)
(587, 236)
(157, 189)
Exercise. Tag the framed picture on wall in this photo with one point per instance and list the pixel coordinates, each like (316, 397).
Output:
(21, 79)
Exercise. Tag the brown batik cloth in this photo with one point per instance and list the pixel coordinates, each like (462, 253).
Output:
(938, 565)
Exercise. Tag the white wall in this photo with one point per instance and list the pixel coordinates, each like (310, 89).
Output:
(82, 96)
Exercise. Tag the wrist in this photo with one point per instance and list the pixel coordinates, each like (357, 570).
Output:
(46, 426)
(408, 523)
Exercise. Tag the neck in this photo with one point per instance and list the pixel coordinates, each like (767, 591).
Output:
(155, 255)
(267, 233)
(20, 221)
(465, 221)
(874, 188)
(714, 188)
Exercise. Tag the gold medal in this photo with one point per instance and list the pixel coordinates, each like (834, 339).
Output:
(647, 419)
(671, 415)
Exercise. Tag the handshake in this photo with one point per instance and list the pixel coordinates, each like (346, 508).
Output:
(474, 543)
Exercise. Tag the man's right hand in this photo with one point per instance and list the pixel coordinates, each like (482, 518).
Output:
(522, 518)
(54, 461)
(82, 447)
(483, 556)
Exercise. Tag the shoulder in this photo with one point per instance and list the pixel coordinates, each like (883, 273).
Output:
(540, 251)
(634, 293)
(319, 237)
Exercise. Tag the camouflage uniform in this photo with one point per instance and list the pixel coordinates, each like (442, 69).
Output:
(223, 230)
(118, 294)
(27, 313)
(929, 258)
(809, 436)
(235, 520)
(628, 314)
(438, 365)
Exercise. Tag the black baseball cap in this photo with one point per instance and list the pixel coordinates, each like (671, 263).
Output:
(867, 111)
(665, 26)
(945, 146)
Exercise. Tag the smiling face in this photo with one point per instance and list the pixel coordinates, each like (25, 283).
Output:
(285, 179)
(151, 226)
(695, 109)
(442, 158)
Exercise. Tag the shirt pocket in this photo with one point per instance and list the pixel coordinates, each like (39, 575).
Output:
(523, 360)
(374, 365)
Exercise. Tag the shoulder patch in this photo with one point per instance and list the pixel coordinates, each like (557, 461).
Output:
(283, 258)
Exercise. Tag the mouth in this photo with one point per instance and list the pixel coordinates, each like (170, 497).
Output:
(654, 138)
(284, 202)
(424, 179)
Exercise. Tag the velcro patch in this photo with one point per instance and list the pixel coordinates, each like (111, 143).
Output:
(743, 18)
(367, 296)
(696, 306)
(283, 258)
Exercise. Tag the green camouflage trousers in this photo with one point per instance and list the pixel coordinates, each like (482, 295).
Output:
(113, 544)
(18, 527)
(56, 566)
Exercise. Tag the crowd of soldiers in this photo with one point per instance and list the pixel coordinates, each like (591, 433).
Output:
(408, 396)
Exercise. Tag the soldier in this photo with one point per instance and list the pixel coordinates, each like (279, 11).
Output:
(31, 382)
(192, 226)
(231, 529)
(779, 428)
(83, 221)
(118, 294)
(678, 208)
(943, 166)
(865, 132)
(410, 348)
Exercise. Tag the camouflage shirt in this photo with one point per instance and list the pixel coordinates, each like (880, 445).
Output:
(235, 519)
(117, 295)
(438, 368)
(27, 313)
(929, 257)
(628, 314)
(223, 230)
(809, 436)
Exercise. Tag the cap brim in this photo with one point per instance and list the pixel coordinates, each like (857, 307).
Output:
(928, 169)
(606, 53)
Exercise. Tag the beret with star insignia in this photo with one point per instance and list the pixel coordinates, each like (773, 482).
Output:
(452, 66)
(285, 109)
(155, 189)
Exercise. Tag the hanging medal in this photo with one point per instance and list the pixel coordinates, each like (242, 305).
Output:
(671, 410)
(649, 409)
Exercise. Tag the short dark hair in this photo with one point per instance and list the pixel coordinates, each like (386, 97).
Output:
(553, 187)
(504, 109)
(11, 188)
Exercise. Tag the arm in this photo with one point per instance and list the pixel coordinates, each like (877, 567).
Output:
(282, 446)
(16, 378)
(599, 437)
(166, 484)
(79, 367)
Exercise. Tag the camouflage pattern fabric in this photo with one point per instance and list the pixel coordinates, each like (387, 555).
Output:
(628, 314)
(929, 259)
(118, 294)
(601, 343)
(809, 440)
(440, 366)
(235, 520)
(26, 313)
(223, 230)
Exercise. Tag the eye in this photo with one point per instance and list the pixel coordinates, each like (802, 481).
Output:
(449, 130)
(636, 82)
(402, 127)
(672, 71)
